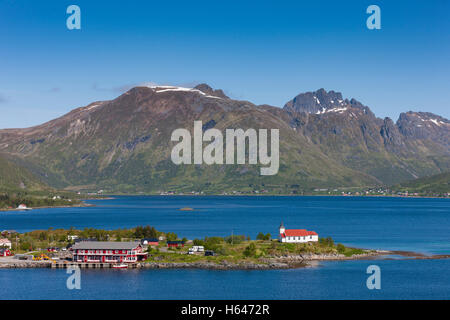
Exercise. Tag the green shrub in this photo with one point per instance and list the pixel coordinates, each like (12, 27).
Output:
(235, 239)
(221, 251)
(289, 246)
(171, 236)
(330, 242)
(212, 243)
(250, 250)
(262, 236)
(199, 242)
(326, 242)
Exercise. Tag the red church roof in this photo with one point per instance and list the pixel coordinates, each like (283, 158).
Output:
(299, 233)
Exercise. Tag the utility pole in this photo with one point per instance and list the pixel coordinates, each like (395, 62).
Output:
(232, 237)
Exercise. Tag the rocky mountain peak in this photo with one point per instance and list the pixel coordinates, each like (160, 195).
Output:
(316, 101)
(202, 89)
(424, 118)
(424, 125)
(323, 102)
(332, 141)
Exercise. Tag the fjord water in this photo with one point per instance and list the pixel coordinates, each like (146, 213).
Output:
(405, 279)
(420, 225)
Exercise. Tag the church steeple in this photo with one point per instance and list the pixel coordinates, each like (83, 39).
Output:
(282, 228)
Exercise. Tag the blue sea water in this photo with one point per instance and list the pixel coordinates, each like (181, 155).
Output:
(400, 279)
(421, 225)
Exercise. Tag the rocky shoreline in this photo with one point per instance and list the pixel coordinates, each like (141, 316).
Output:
(77, 205)
(168, 265)
(215, 266)
(18, 264)
(270, 263)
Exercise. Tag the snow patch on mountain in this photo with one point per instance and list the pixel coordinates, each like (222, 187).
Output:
(93, 106)
(317, 100)
(160, 89)
(337, 110)
(437, 122)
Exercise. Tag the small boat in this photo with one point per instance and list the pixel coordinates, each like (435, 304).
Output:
(120, 266)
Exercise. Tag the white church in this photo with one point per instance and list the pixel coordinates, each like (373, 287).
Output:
(297, 235)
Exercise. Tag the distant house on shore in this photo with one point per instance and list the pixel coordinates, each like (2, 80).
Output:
(175, 244)
(297, 235)
(5, 243)
(72, 237)
(22, 206)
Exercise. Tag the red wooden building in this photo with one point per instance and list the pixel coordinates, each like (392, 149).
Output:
(108, 252)
(5, 252)
(150, 241)
(175, 244)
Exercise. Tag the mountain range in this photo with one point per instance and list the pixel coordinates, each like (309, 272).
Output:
(123, 145)
(431, 185)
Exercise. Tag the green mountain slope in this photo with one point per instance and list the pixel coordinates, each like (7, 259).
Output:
(439, 183)
(16, 178)
(123, 145)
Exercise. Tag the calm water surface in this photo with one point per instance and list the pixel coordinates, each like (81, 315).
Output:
(401, 279)
(421, 225)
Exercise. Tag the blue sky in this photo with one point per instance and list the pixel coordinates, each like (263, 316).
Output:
(261, 51)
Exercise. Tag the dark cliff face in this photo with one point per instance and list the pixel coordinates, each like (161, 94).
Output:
(330, 110)
(348, 131)
(424, 125)
(391, 135)
(317, 101)
(321, 101)
(327, 118)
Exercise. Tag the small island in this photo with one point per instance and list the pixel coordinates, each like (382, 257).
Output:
(186, 209)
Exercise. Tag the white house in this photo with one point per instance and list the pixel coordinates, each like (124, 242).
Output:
(22, 206)
(5, 243)
(297, 235)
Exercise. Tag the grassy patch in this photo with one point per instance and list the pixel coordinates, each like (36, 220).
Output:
(255, 251)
